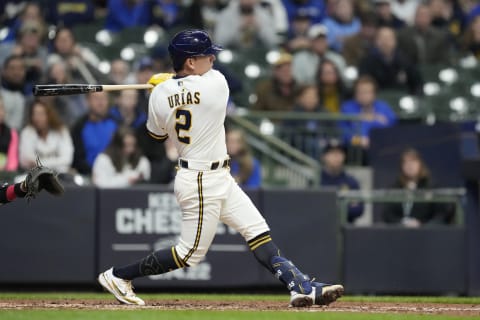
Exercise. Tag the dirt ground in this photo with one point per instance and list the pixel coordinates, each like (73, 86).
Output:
(179, 304)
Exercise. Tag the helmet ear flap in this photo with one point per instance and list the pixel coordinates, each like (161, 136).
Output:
(178, 59)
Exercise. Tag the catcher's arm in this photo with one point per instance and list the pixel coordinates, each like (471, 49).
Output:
(8, 193)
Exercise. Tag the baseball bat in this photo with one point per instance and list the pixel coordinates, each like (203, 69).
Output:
(69, 89)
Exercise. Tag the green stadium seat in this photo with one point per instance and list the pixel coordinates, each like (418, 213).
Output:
(130, 35)
(391, 97)
(430, 72)
(87, 32)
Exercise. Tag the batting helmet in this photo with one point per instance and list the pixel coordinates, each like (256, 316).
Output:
(190, 43)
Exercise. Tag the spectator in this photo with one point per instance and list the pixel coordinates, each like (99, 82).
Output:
(298, 33)
(360, 7)
(373, 113)
(165, 13)
(245, 169)
(448, 15)
(414, 175)
(82, 63)
(70, 107)
(422, 43)
(470, 43)
(45, 136)
(144, 71)
(122, 164)
(278, 92)
(120, 72)
(245, 24)
(163, 157)
(357, 46)
(305, 63)
(8, 144)
(161, 59)
(127, 112)
(472, 8)
(386, 18)
(331, 89)
(334, 175)
(342, 24)
(315, 9)
(405, 9)
(93, 132)
(29, 47)
(123, 14)
(234, 82)
(12, 90)
(305, 135)
(30, 11)
(279, 15)
(388, 67)
(70, 12)
(307, 100)
(203, 14)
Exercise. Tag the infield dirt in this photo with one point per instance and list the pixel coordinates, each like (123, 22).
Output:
(182, 304)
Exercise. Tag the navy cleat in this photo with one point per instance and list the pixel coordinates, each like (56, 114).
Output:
(322, 294)
(303, 291)
(327, 293)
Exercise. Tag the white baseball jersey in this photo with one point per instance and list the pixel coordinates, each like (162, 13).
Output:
(191, 111)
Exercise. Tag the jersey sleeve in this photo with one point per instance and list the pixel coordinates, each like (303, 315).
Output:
(155, 128)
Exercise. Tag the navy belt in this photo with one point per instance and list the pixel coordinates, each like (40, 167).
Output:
(215, 165)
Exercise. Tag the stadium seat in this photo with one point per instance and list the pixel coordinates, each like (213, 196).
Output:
(391, 97)
(430, 72)
(130, 35)
(87, 32)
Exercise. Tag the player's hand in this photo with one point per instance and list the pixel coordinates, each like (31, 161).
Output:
(158, 78)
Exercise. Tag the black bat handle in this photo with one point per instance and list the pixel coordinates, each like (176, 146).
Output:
(64, 89)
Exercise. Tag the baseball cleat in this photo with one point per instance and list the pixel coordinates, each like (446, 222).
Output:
(330, 293)
(299, 300)
(121, 289)
(322, 294)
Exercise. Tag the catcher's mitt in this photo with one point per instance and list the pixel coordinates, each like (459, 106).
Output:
(39, 178)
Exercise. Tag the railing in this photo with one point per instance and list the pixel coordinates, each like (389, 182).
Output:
(292, 115)
(291, 152)
(309, 131)
(441, 195)
(283, 163)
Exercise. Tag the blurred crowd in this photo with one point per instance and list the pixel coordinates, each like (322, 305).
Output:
(102, 135)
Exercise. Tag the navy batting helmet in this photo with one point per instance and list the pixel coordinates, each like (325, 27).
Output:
(190, 43)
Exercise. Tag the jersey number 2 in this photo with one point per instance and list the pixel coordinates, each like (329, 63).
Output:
(184, 122)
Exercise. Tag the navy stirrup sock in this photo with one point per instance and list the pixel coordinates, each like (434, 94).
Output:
(158, 262)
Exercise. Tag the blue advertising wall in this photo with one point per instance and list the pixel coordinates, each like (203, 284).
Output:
(69, 240)
(49, 240)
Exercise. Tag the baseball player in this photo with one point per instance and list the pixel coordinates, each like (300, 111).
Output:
(190, 109)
